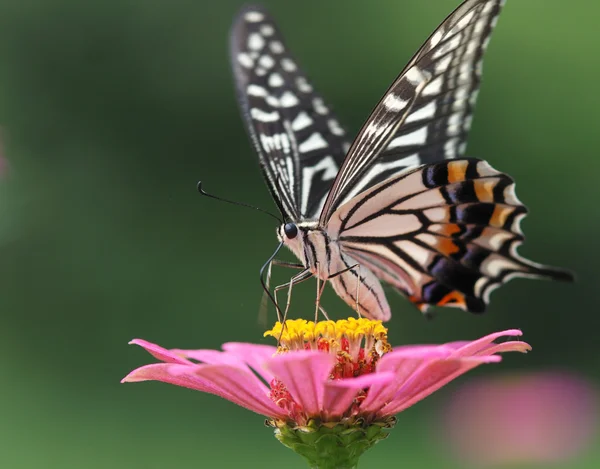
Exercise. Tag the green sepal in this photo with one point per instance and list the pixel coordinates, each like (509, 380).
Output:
(331, 445)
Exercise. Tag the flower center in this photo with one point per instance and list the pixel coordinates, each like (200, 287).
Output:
(357, 344)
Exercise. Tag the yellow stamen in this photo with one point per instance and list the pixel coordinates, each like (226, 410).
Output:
(298, 334)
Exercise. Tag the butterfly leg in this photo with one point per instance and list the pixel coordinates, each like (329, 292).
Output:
(324, 313)
(357, 291)
(322, 288)
(262, 312)
(298, 278)
(277, 262)
(318, 297)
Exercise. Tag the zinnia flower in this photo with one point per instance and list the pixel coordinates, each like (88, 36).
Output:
(556, 418)
(330, 389)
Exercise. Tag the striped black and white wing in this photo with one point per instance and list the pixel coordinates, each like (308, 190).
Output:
(299, 141)
(407, 128)
(443, 234)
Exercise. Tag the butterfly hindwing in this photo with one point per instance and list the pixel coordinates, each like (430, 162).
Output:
(444, 234)
(299, 141)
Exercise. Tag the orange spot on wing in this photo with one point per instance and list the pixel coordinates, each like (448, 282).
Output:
(484, 189)
(457, 171)
(449, 229)
(501, 213)
(446, 246)
(453, 298)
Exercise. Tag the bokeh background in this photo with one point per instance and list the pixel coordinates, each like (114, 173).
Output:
(112, 110)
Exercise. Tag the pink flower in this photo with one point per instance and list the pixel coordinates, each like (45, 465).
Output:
(545, 417)
(325, 372)
(330, 389)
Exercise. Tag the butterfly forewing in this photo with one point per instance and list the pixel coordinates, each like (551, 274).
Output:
(299, 141)
(436, 125)
(441, 117)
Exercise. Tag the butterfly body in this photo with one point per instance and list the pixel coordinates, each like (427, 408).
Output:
(324, 257)
(400, 204)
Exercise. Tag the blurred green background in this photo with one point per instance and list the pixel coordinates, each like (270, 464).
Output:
(111, 111)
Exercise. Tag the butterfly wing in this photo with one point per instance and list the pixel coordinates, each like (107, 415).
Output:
(444, 234)
(299, 141)
(426, 114)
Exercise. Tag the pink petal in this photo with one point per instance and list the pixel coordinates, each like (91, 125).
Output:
(404, 360)
(238, 385)
(233, 383)
(339, 394)
(457, 344)
(402, 363)
(472, 348)
(512, 346)
(210, 357)
(165, 373)
(304, 374)
(162, 354)
(160, 372)
(254, 355)
(432, 377)
(235, 353)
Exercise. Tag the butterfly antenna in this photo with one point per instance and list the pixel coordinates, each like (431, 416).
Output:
(233, 202)
(265, 285)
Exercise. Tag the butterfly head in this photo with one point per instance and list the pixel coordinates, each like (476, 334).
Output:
(289, 234)
(290, 231)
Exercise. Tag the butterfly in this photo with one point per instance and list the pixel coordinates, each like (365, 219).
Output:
(400, 204)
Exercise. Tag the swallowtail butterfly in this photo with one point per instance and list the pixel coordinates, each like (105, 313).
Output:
(400, 204)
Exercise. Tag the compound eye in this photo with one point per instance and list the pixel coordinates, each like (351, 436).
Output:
(291, 230)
